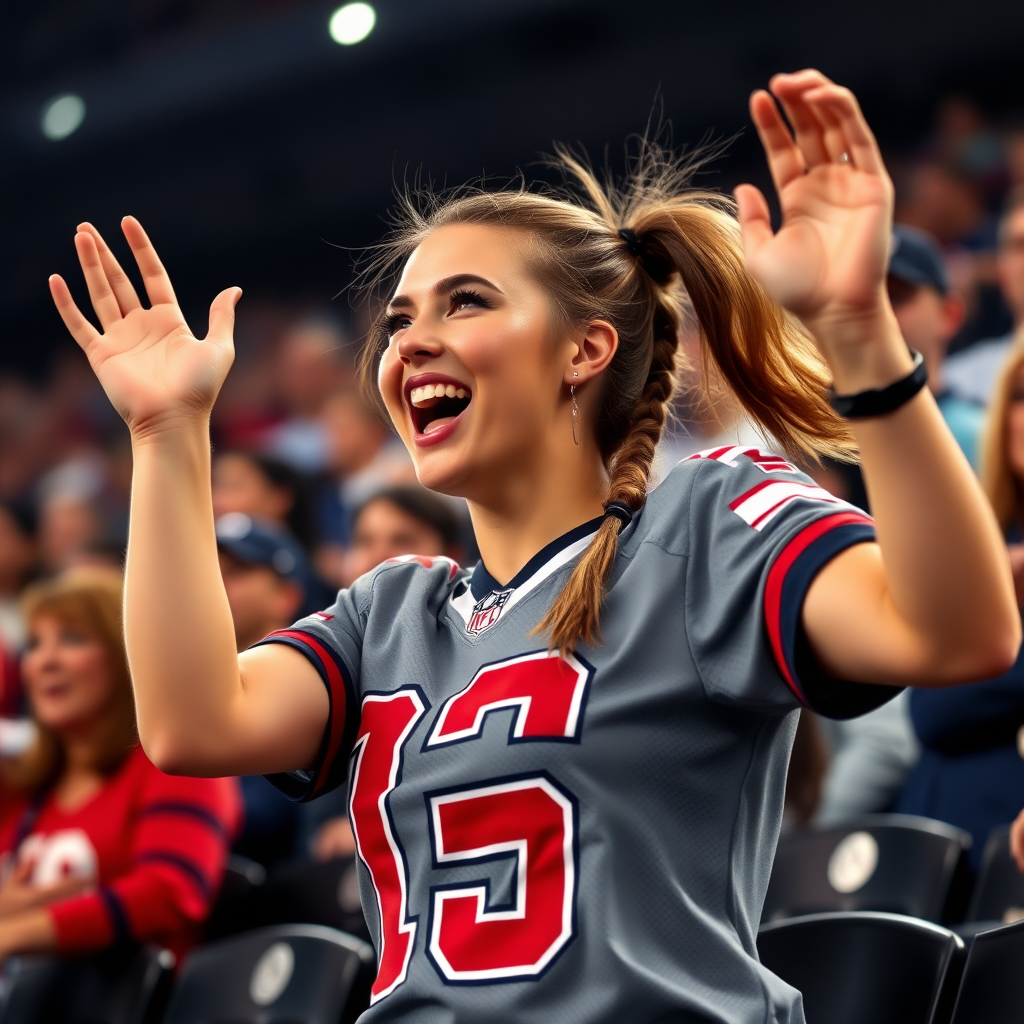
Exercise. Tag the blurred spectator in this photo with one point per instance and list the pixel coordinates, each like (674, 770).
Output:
(312, 364)
(970, 773)
(403, 520)
(265, 488)
(262, 567)
(363, 455)
(929, 314)
(972, 373)
(98, 845)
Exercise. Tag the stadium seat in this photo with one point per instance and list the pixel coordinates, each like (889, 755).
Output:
(315, 893)
(122, 985)
(992, 989)
(289, 974)
(237, 906)
(856, 968)
(894, 863)
(999, 891)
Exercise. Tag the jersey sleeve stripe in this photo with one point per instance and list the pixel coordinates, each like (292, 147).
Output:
(116, 913)
(193, 811)
(791, 575)
(183, 864)
(340, 731)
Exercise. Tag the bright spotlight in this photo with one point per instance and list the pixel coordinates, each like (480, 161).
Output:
(62, 116)
(352, 23)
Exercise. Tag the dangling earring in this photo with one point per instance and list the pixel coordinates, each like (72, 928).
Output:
(575, 412)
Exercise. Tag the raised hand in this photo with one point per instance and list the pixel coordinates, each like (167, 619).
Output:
(827, 263)
(152, 368)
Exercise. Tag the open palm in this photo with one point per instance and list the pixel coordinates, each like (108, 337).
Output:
(828, 259)
(150, 365)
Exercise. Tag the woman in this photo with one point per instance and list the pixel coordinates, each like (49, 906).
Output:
(97, 844)
(568, 765)
(971, 771)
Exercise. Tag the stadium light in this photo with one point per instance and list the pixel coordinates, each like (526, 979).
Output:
(352, 23)
(62, 116)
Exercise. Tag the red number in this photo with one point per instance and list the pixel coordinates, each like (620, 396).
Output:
(387, 720)
(530, 818)
(533, 820)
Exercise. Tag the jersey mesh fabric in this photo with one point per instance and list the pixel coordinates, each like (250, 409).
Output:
(155, 846)
(659, 770)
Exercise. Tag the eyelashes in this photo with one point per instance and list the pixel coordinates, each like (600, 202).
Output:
(457, 300)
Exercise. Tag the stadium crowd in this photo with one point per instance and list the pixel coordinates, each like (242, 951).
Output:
(311, 490)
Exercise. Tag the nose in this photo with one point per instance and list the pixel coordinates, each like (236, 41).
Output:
(418, 345)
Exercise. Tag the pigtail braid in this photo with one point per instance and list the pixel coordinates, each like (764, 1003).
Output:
(574, 616)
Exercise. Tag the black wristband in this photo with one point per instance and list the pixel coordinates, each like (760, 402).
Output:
(879, 401)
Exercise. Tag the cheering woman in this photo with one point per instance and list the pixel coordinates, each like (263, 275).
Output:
(567, 766)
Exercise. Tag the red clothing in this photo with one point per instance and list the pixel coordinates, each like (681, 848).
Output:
(155, 845)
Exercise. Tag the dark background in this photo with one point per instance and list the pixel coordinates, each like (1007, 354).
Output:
(252, 146)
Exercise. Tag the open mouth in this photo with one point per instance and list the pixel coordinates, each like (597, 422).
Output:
(436, 402)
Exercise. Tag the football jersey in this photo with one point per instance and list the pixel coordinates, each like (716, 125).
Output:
(151, 846)
(585, 839)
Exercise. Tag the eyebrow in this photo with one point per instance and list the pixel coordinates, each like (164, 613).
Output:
(448, 284)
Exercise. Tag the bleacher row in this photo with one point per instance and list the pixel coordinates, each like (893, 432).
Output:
(876, 922)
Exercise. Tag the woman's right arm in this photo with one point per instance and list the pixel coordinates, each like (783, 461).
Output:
(202, 709)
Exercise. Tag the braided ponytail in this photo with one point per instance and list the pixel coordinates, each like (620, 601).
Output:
(680, 258)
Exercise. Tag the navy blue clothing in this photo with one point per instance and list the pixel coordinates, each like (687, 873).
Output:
(970, 773)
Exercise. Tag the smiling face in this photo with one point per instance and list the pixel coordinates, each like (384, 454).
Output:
(473, 376)
(67, 674)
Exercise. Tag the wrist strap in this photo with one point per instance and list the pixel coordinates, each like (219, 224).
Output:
(879, 401)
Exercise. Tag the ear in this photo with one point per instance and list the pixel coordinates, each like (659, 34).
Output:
(953, 313)
(592, 354)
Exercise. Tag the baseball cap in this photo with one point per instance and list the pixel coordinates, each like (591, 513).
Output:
(916, 259)
(261, 542)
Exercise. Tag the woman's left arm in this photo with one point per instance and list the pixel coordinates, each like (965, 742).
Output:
(932, 603)
(32, 931)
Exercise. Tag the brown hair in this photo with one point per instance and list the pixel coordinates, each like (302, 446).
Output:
(686, 262)
(91, 600)
(1005, 491)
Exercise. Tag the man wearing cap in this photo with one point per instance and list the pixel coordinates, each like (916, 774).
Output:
(265, 572)
(929, 315)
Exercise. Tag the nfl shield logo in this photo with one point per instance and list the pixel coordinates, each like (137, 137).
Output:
(487, 611)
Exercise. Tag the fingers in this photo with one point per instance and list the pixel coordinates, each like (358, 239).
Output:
(785, 161)
(104, 302)
(154, 277)
(841, 108)
(123, 290)
(222, 316)
(81, 330)
(790, 90)
(754, 217)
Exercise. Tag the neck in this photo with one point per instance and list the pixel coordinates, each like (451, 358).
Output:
(536, 505)
(81, 748)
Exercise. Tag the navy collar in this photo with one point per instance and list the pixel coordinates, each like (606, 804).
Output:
(482, 583)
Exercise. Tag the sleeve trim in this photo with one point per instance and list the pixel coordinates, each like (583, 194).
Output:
(193, 811)
(791, 575)
(116, 913)
(340, 695)
(183, 864)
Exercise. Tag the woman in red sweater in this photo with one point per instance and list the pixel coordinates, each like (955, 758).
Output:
(96, 844)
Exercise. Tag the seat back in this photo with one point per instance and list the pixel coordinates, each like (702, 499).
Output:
(289, 974)
(992, 989)
(892, 863)
(238, 904)
(863, 966)
(121, 985)
(321, 893)
(999, 891)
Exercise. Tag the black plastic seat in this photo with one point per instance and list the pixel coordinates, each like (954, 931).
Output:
(121, 985)
(315, 893)
(238, 904)
(856, 968)
(999, 891)
(290, 974)
(892, 863)
(992, 989)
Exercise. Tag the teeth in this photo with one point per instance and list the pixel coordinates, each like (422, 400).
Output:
(431, 391)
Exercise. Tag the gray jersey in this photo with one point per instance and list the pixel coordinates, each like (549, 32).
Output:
(584, 840)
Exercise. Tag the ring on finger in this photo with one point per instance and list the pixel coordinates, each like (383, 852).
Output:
(844, 158)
